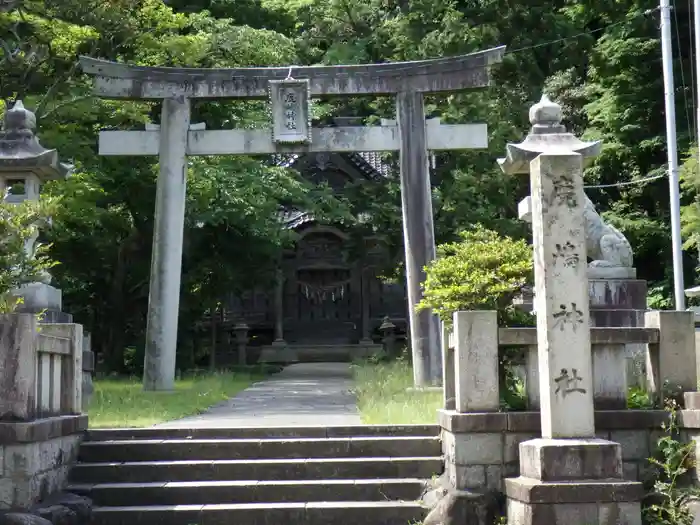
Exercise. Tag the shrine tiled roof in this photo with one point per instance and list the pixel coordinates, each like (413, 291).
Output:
(369, 163)
(293, 219)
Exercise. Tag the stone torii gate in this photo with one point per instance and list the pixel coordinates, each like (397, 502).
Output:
(289, 90)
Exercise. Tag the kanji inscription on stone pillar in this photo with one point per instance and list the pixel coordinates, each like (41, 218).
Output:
(555, 160)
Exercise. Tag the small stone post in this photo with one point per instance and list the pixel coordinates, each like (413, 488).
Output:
(448, 369)
(241, 333)
(472, 447)
(476, 361)
(88, 371)
(568, 477)
(672, 362)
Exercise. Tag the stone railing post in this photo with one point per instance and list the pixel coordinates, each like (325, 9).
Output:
(472, 448)
(88, 370)
(672, 362)
(532, 377)
(476, 361)
(18, 366)
(448, 369)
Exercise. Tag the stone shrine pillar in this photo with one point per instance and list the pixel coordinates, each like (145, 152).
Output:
(568, 477)
(24, 166)
(166, 257)
(616, 299)
(419, 237)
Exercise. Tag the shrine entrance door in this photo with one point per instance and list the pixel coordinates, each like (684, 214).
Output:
(322, 293)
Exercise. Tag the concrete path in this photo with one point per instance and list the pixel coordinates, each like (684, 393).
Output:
(302, 395)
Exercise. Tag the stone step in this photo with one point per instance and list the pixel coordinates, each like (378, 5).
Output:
(262, 432)
(218, 449)
(273, 491)
(314, 513)
(259, 469)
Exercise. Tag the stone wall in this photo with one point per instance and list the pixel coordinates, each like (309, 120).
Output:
(35, 458)
(482, 449)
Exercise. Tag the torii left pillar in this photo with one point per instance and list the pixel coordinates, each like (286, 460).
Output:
(419, 236)
(164, 294)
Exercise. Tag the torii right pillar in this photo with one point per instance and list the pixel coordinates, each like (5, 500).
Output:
(567, 477)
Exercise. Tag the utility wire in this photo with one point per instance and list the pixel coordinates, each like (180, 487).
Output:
(411, 65)
(628, 183)
(585, 33)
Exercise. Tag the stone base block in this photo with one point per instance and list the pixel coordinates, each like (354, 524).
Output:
(691, 400)
(611, 272)
(36, 457)
(34, 471)
(39, 296)
(572, 482)
(617, 317)
(534, 491)
(570, 459)
(520, 513)
(617, 293)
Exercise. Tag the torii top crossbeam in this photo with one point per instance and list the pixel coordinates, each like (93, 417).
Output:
(114, 80)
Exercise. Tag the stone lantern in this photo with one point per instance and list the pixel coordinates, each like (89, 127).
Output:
(24, 166)
(388, 330)
(240, 331)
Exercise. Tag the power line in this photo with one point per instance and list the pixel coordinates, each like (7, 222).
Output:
(627, 183)
(585, 33)
(537, 46)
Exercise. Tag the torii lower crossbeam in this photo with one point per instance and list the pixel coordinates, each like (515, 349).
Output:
(259, 141)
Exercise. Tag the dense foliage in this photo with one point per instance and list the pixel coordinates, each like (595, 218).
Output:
(483, 271)
(19, 225)
(600, 59)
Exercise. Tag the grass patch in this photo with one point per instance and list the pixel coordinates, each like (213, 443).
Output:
(383, 395)
(122, 403)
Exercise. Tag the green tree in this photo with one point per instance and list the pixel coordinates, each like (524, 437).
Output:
(19, 225)
(484, 271)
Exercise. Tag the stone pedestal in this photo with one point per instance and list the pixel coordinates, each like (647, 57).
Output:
(38, 458)
(44, 299)
(619, 302)
(572, 482)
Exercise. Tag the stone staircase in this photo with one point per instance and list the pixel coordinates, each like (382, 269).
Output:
(368, 475)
